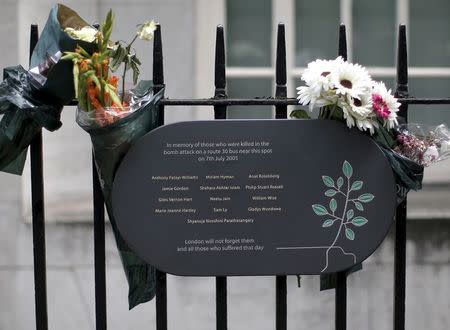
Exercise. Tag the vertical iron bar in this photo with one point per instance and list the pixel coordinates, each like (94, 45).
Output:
(281, 113)
(158, 81)
(342, 50)
(280, 73)
(400, 216)
(220, 112)
(99, 251)
(38, 216)
(341, 277)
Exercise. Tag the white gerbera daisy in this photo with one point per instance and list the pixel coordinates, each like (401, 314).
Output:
(358, 112)
(384, 104)
(306, 96)
(350, 79)
(318, 91)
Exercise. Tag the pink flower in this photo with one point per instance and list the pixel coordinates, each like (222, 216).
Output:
(380, 106)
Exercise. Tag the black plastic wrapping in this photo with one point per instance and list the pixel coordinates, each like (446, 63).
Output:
(23, 114)
(110, 144)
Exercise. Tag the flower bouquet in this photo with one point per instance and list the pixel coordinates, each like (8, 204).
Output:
(115, 118)
(345, 92)
(30, 100)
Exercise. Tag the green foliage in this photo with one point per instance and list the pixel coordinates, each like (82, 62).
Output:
(358, 206)
(340, 182)
(350, 214)
(359, 221)
(319, 209)
(350, 234)
(357, 185)
(328, 223)
(333, 205)
(329, 182)
(366, 198)
(347, 169)
(299, 114)
(330, 192)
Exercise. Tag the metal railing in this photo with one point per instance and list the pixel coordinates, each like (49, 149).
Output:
(220, 102)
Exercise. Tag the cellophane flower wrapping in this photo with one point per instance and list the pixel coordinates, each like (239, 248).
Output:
(23, 112)
(112, 133)
(52, 75)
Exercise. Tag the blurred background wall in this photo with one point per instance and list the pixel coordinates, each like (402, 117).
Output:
(188, 28)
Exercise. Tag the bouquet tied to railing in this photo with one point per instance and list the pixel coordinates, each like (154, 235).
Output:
(115, 118)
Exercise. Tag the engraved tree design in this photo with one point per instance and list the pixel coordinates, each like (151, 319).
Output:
(347, 220)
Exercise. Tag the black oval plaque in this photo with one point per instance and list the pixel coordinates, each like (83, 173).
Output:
(259, 197)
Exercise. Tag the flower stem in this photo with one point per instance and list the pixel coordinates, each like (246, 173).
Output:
(125, 65)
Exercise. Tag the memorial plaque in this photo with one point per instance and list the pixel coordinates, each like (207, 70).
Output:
(256, 197)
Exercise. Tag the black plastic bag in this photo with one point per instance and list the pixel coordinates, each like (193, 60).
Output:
(110, 144)
(23, 114)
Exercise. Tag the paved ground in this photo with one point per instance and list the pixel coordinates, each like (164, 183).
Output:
(191, 300)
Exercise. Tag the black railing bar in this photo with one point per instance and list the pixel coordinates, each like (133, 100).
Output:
(270, 101)
(99, 251)
(38, 218)
(158, 79)
(281, 113)
(401, 212)
(340, 301)
(220, 112)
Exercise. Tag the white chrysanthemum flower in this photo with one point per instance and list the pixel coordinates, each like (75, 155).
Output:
(146, 30)
(384, 104)
(350, 79)
(87, 33)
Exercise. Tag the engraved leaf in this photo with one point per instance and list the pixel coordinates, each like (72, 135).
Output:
(319, 209)
(366, 198)
(329, 182)
(359, 221)
(330, 193)
(359, 206)
(357, 185)
(328, 223)
(347, 169)
(350, 214)
(333, 205)
(350, 234)
(340, 182)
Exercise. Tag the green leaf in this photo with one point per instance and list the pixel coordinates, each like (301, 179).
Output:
(328, 223)
(107, 28)
(299, 114)
(359, 206)
(329, 182)
(350, 234)
(118, 57)
(347, 169)
(350, 214)
(330, 192)
(340, 182)
(319, 209)
(366, 198)
(359, 221)
(135, 66)
(333, 205)
(357, 185)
